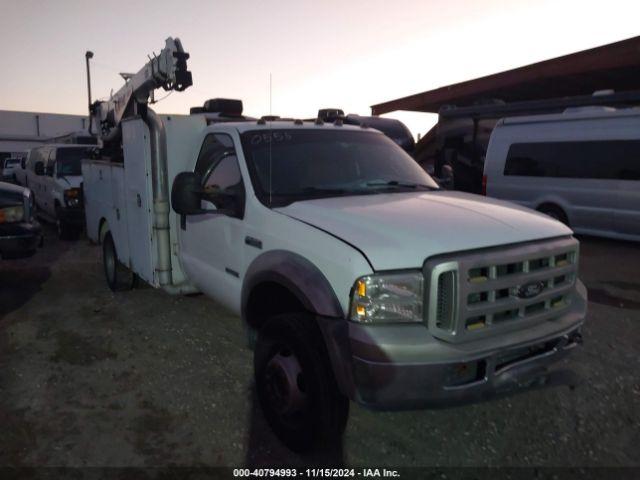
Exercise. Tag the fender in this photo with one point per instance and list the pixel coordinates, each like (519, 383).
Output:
(307, 283)
(301, 277)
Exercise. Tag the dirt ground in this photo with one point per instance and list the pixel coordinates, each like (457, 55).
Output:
(141, 378)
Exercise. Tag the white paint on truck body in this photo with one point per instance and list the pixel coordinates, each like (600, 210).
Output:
(345, 238)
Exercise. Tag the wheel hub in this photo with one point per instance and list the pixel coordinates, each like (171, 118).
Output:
(285, 385)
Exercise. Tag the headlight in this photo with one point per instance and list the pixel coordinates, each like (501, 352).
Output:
(388, 298)
(12, 214)
(72, 197)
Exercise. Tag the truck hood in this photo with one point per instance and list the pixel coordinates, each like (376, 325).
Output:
(401, 230)
(11, 194)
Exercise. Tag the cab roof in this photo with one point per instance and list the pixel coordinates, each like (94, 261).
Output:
(253, 125)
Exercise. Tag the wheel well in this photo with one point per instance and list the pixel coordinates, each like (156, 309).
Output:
(268, 299)
(102, 229)
(547, 206)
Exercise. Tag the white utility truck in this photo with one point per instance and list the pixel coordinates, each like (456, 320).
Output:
(354, 275)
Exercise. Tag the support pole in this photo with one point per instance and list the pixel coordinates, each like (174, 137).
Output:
(88, 55)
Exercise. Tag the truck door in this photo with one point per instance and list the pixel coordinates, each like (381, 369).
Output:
(211, 244)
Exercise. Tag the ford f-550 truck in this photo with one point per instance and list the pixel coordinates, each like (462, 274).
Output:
(355, 277)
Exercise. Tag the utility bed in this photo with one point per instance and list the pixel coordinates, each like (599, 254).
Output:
(120, 194)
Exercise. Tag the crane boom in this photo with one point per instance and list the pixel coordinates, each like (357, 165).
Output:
(167, 70)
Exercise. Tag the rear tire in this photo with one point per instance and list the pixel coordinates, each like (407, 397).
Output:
(296, 386)
(554, 212)
(119, 277)
(66, 231)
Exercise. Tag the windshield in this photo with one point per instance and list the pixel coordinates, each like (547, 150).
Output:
(308, 164)
(69, 160)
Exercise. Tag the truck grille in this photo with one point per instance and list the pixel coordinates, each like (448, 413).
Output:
(491, 291)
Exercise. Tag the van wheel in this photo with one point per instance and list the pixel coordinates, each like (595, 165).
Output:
(554, 212)
(66, 231)
(119, 277)
(295, 384)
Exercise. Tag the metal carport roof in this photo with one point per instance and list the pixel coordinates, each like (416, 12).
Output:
(613, 66)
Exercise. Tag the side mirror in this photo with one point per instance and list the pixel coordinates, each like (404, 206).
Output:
(186, 193)
(38, 168)
(49, 170)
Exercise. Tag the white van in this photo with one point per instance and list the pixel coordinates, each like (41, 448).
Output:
(8, 168)
(582, 167)
(53, 173)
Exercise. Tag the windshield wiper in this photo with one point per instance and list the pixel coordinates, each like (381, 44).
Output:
(311, 191)
(396, 183)
(322, 190)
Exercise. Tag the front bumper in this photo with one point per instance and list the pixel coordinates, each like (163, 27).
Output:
(19, 239)
(405, 367)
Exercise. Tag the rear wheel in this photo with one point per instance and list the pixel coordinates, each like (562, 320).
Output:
(554, 212)
(119, 277)
(295, 384)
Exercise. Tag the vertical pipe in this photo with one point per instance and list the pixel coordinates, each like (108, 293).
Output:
(160, 189)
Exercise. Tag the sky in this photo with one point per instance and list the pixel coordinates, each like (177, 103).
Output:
(323, 53)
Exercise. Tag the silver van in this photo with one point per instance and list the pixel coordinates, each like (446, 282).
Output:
(581, 167)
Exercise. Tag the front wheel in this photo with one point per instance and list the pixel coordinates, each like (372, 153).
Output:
(119, 277)
(65, 230)
(295, 384)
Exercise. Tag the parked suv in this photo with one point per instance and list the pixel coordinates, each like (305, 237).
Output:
(19, 232)
(54, 174)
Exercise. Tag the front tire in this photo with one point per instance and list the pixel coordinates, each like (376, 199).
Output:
(296, 386)
(66, 231)
(119, 277)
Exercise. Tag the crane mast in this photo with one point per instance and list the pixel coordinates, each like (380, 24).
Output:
(167, 70)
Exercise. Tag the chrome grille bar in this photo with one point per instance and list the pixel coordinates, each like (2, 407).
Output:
(502, 289)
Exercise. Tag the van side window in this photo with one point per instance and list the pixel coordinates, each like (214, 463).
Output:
(602, 159)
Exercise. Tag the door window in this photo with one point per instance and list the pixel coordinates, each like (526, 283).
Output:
(214, 148)
(36, 156)
(51, 162)
(221, 177)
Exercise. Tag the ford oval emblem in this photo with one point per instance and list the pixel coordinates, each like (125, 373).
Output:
(530, 290)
